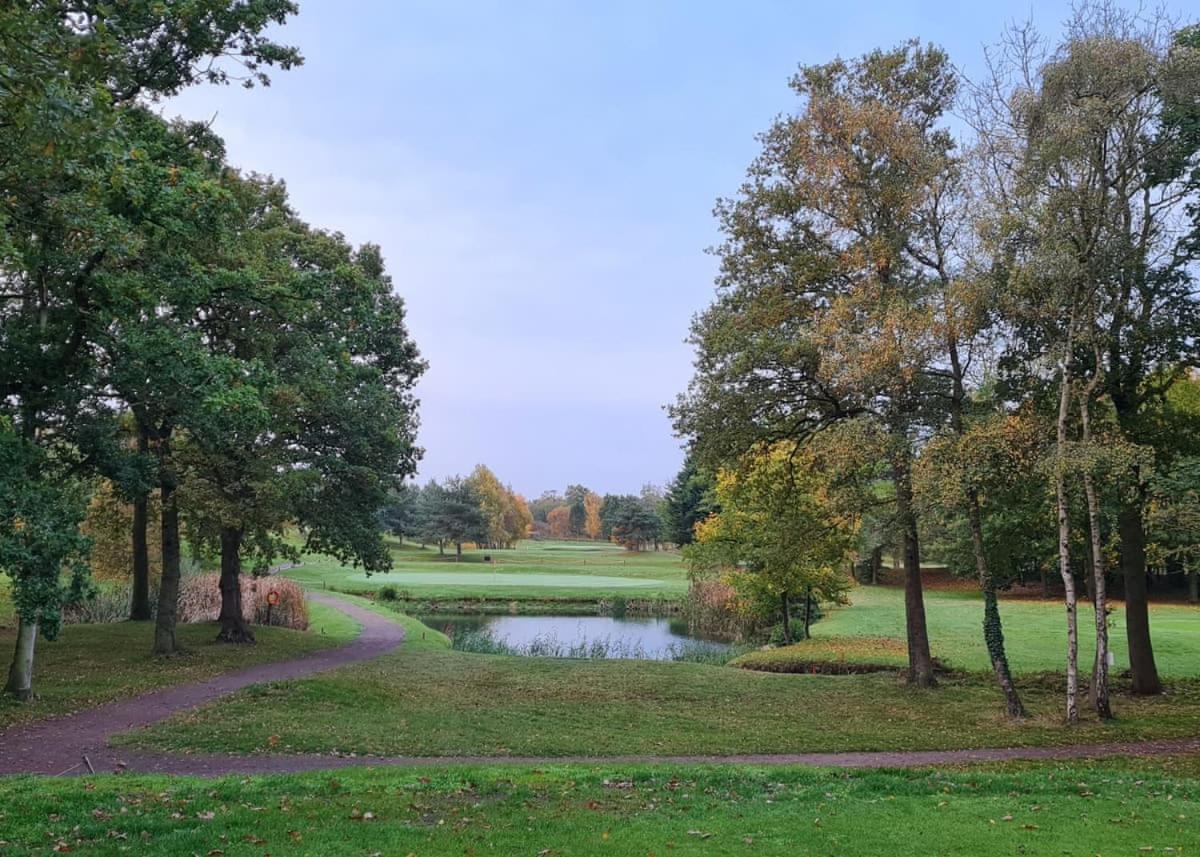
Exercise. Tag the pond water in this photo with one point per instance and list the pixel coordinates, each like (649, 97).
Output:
(581, 636)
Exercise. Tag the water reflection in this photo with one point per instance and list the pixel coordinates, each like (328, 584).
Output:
(607, 636)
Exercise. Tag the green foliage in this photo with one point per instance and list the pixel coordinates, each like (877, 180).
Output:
(778, 537)
(689, 500)
(40, 543)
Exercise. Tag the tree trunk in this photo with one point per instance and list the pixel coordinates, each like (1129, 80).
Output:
(1098, 692)
(1143, 672)
(139, 602)
(1064, 543)
(808, 605)
(920, 661)
(165, 642)
(457, 551)
(20, 673)
(787, 620)
(1194, 587)
(876, 563)
(234, 627)
(993, 631)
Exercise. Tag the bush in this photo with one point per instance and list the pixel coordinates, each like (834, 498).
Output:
(388, 593)
(200, 600)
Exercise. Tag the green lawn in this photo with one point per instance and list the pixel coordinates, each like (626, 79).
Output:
(92, 664)
(1035, 632)
(427, 700)
(533, 570)
(582, 810)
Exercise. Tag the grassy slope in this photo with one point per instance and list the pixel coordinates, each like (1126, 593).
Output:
(430, 701)
(1034, 630)
(422, 573)
(576, 810)
(92, 664)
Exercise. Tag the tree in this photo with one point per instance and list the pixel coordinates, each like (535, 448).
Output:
(559, 519)
(398, 515)
(455, 515)
(778, 535)
(493, 503)
(608, 512)
(821, 315)
(518, 520)
(540, 508)
(71, 77)
(987, 462)
(576, 498)
(39, 542)
(634, 524)
(689, 500)
(107, 525)
(592, 525)
(1096, 145)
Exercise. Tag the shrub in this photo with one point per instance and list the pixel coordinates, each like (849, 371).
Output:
(388, 593)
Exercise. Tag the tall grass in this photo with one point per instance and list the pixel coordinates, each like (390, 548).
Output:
(109, 603)
(200, 601)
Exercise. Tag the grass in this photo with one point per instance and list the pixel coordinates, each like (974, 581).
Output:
(429, 700)
(92, 664)
(1035, 632)
(585, 810)
(584, 571)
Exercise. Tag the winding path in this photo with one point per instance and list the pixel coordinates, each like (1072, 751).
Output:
(60, 745)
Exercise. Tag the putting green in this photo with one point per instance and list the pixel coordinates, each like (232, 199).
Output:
(491, 579)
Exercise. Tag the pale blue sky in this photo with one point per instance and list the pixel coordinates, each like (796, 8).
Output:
(541, 177)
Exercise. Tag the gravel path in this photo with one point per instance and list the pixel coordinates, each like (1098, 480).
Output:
(59, 745)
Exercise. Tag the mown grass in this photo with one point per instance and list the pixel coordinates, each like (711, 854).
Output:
(92, 664)
(433, 701)
(871, 629)
(533, 570)
(583, 810)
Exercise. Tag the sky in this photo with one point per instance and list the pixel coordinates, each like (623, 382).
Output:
(541, 178)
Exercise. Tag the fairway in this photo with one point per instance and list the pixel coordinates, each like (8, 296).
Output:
(1034, 630)
(484, 581)
(534, 570)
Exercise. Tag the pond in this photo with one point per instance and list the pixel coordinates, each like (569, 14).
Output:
(650, 637)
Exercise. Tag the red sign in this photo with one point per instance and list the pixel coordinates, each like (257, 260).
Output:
(272, 597)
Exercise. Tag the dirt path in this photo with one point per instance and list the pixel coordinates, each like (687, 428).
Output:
(58, 745)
